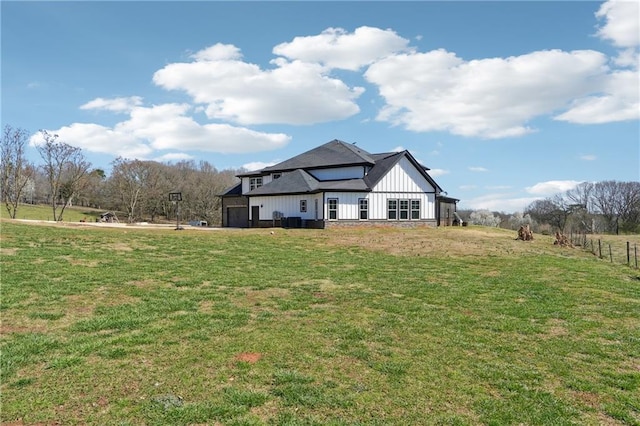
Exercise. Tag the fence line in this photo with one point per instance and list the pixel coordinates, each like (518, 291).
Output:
(625, 253)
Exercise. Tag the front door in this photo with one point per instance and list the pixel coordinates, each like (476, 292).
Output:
(255, 216)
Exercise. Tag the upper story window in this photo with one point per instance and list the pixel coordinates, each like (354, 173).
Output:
(276, 176)
(255, 182)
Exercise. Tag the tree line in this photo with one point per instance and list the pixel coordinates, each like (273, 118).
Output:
(136, 188)
(139, 189)
(591, 207)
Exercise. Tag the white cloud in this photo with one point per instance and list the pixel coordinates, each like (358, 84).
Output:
(336, 48)
(174, 156)
(165, 127)
(399, 148)
(96, 138)
(620, 101)
(124, 104)
(293, 92)
(478, 169)
(588, 157)
(437, 172)
(257, 165)
(622, 22)
(500, 202)
(552, 187)
(489, 98)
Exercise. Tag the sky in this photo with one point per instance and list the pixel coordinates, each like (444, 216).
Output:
(505, 101)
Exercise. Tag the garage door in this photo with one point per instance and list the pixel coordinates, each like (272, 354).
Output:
(238, 217)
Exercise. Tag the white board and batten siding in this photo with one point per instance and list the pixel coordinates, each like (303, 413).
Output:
(288, 205)
(403, 181)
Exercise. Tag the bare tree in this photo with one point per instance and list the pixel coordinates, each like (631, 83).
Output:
(553, 211)
(15, 171)
(619, 204)
(65, 168)
(129, 178)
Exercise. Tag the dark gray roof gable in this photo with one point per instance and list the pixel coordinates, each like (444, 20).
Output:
(332, 154)
(295, 180)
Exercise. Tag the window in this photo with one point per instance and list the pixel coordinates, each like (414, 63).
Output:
(415, 209)
(332, 205)
(404, 209)
(363, 207)
(303, 206)
(392, 209)
(255, 183)
(276, 176)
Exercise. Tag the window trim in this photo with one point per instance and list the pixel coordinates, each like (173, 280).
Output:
(361, 210)
(411, 207)
(394, 210)
(255, 182)
(330, 209)
(403, 209)
(413, 210)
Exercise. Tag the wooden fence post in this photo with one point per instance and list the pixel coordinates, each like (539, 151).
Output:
(610, 254)
(599, 248)
(628, 254)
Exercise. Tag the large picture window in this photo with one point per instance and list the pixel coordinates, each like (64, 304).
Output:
(403, 209)
(363, 207)
(332, 207)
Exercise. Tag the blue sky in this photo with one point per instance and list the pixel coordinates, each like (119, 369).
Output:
(506, 102)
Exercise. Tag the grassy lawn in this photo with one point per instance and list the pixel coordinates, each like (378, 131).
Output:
(378, 326)
(42, 212)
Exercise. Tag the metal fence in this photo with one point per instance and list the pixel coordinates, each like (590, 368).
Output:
(613, 250)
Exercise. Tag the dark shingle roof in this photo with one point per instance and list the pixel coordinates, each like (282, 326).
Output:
(331, 154)
(234, 190)
(295, 182)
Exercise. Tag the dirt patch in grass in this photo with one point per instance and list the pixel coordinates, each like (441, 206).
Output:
(8, 251)
(257, 297)
(249, 357)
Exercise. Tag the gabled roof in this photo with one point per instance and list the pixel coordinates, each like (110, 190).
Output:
(301, 182)
(332, 154)
(296, 180)
(234, 190)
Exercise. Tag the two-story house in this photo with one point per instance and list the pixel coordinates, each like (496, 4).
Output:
(337, 184)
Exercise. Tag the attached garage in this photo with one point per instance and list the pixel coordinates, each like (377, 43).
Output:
(235, 208)
(237, 216)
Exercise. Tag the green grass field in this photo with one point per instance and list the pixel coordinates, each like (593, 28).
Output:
(378, 326)
(43, 212)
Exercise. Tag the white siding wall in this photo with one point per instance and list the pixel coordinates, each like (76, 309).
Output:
(403, 177)
(355, 172)
(348, 204)
(288, 205)
(246, 182)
